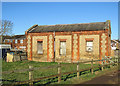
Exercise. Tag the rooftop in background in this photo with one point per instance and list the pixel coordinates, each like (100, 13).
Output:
(69, 27)
(14, 37)
(115, 41)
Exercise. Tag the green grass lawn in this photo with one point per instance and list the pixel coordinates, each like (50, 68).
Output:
(10, 78)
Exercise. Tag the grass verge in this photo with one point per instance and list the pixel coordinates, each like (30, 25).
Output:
(13, 77)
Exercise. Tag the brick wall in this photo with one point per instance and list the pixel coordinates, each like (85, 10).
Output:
(39, 57)
(68, 56)
(83, 53)
(75, 45)
(16, 45)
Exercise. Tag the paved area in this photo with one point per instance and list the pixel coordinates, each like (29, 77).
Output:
(110, 78)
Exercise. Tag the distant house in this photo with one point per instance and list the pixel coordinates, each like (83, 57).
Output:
(16, 41)
(69, 42)
(115, 46)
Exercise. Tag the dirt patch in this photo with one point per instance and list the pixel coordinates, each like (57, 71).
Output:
(109, 78)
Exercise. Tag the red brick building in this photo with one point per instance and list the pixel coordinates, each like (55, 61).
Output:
(16, 41)
(69, 42)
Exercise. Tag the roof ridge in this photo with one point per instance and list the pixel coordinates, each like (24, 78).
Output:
(70, 27)
(72, 24)
(46, 25)
(31, 27)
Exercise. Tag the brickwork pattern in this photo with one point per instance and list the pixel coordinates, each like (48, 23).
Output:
(67, 57)
(35, 55)
(28, 45)
(75, 46)
(103, 46)
(50, 47)
(83, 53)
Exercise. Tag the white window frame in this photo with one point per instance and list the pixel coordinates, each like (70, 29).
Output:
(62, 49)
(89, 46)
(11, 40)
(16, 41)
(21, 41)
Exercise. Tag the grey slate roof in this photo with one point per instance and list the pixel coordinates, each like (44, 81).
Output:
(6, 37)
(18, 36)
(68, 27)
(14, 37)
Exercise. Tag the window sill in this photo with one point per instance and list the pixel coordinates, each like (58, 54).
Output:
(89, 51)
(62, 55)
(40, 53)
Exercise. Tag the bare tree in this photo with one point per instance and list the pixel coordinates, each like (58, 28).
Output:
(6, 27)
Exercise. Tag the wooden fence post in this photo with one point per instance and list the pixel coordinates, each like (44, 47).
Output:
(30, 75)
(102, 65)
(92, 66)
(116, 60)
(13, 58)
(20, 57)
(78, 70)
(59, 72)
(110, 62)
(110, 65)
(105, 61)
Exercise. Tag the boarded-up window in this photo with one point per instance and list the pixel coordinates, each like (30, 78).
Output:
(63, 48)
(40, 47)
(89, 45)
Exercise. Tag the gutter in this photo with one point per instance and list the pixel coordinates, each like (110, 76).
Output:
(54, 46)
